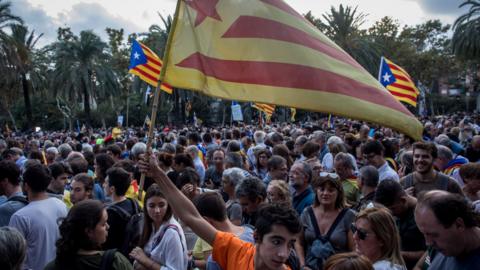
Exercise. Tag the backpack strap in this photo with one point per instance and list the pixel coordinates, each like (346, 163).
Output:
(107, 259)
(442, 182)
(311, 214)
(21, 199)
(162, 233)
(335, 223)
(409, 181)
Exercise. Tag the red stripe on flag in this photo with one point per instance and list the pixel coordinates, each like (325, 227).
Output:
(402, 78)
(395, 67)
(153, 60)
(394, 93)
(145, 74)
(289, 75)
(404, 87)
(153, 69)
(255, 27)
(283, 6)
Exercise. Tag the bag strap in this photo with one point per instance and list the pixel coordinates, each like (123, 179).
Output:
(335, 223)
(409, 181)
(162, 233)
(107, 259)
(311, 214)
(443, 180)
(18, 199)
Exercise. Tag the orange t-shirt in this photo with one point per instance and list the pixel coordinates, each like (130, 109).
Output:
(231, 253)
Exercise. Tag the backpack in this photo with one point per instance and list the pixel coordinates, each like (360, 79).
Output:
(321, 248)
(107, 259)
(133, 229)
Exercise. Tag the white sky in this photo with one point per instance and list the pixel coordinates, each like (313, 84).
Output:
(45, 16)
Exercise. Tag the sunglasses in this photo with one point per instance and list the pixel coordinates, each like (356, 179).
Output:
(327, 174)
(361, 233)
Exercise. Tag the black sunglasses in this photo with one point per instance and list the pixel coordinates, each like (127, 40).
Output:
(361, 233)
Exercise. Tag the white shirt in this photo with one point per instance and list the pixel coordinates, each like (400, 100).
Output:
(385, 172)
(171, 252)
(387, 265)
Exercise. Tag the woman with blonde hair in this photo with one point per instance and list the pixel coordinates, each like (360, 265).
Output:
(278, 192)
(348, 261)
(377, 238)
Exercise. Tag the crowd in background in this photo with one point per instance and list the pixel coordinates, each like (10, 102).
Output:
(328, 194)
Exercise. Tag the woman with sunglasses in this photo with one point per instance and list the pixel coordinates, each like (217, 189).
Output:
(261, 165)
(327, 220)
(377, 238)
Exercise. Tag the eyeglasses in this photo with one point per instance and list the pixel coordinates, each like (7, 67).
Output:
(361, 233)
(327, 174)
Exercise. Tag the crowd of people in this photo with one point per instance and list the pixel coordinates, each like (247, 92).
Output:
(328, 195)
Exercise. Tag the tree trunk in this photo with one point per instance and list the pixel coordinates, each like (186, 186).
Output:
(12, 119)
(86, 105)
(26, 97)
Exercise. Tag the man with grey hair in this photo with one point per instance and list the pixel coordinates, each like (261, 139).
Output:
(449, 164)
(193, 152)
(230, 180)
(251, 194)
(51, 154)
(320, 138)
(259, 138)
(367, 183)
(298, 147)
(64, 149)
(345, 169)
(300, 180)
(138, 149)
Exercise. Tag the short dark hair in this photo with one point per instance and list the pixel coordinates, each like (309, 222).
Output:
(211, 205)
(10, 170)
(275, 162)
(188, 176)
(58, 168)
(276, 214)
(427, 146)
(322, 181)
(310, 148)
(388, 192)
(375, 147)
(369, 176)
(251, 188)
(85, 179)
(37, 177)
(120, 179)
(103, 162)
(470, 171)
(235, 159)
(115, 149)
(78, 165)
(184, 159)
(126, 164)
(447, 207)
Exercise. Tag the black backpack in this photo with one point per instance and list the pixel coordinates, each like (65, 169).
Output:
(133, 229)
(21, 199)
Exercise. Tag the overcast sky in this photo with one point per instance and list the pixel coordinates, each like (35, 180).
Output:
(45, 16)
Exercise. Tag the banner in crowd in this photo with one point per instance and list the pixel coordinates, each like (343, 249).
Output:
(398, 82)
(236, 111)
(266, 52)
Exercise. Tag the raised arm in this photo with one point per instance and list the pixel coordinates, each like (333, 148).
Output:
(181, 205)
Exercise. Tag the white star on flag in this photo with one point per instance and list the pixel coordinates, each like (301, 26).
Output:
(386, 77)
(136, 55)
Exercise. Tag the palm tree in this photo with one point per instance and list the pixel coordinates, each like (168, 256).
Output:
(466, 36)
(342, 26)
(6, 18)
(20, 51)
(81, 71)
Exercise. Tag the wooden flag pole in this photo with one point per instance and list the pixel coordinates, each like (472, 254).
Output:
(156, 98)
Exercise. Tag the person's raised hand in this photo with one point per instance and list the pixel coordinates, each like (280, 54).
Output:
(149, 166)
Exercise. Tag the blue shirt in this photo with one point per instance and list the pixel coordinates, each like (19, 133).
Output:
(302, 200)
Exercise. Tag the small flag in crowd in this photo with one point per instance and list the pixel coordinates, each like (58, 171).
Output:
(293, 113)
(148, 94)
(398, 82)
(147, 65)
(266, 108)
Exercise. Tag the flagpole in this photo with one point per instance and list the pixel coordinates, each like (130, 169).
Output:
(156, 99)
(380, 69)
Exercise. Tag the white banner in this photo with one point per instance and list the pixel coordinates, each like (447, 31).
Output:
(237, 113)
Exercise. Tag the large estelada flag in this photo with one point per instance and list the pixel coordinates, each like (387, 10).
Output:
(266, 108)
(147, 65)
(398, 82)
(266, 52)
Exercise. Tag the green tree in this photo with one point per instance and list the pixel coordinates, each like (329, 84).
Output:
(342, 26)
(7, 19)
(81, 69)
(20, 51)
(466, 36)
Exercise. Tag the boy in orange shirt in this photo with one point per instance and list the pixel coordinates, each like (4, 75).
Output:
(276, 230)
